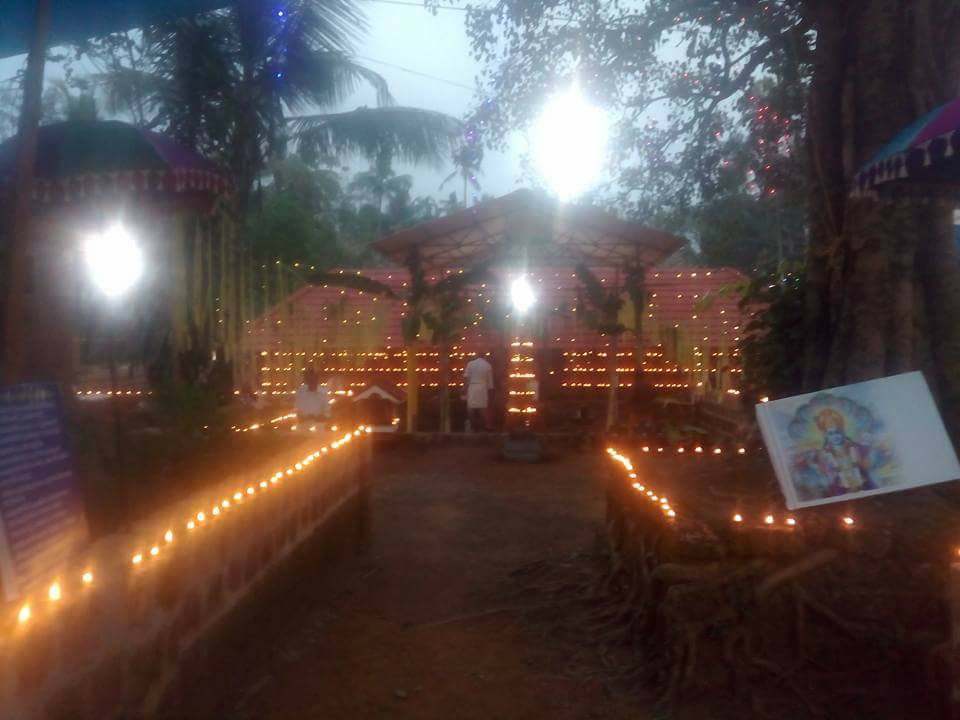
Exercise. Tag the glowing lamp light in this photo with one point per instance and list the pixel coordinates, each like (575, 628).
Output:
(137, 559)
(738, 518)
(768, 520)
(791, 521)
(114, 260)
(168, 536)
(55, 593)
(24, 614)
(87, 578)
(671, 513)
(154, 551)
(570, 143)
(848, 521)
(521, 294)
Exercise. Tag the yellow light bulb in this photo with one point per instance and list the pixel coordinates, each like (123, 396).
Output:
(216, 510)
(671, 513)
(54, 592)
(87, 577)
(154, 551)
(250, 491)
(768, 520)
(137, 559)
(848, 521)
(791, 521)
(201, 516)
(191, 525)
(24, 614)
(168, 536)
(738, 518)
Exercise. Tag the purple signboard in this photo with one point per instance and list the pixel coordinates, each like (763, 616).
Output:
(41, 516)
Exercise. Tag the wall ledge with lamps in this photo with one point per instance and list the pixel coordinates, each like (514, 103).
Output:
(111, 631)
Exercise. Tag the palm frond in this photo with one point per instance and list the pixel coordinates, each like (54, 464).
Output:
(311, 77)
(411, 134)
(456, 283)
(353, 282)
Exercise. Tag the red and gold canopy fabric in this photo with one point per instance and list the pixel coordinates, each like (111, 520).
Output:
(82, 160)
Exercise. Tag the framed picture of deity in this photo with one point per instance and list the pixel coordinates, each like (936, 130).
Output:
(856, 441)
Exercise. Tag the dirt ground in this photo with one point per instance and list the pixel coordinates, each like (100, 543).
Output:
(420, 624)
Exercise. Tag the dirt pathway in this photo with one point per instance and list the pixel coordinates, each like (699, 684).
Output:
(415, 627)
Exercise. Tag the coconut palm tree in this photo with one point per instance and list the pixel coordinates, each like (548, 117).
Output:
(466, 162)
(240, 85)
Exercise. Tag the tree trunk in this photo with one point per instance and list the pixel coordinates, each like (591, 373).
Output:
(883, 283)
(445, 388)
(413, 389)
(613, 377)
(13, 324)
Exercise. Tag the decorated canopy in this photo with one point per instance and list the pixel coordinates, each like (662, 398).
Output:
(83, 159)
(78, 20)
(526, 226)
(925, 156)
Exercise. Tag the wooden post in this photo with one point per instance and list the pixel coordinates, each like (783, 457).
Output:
(14, 324)
(954, 655)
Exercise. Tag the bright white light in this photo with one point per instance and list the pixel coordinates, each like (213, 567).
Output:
(570, 143)
(114, 260)
(521, 294)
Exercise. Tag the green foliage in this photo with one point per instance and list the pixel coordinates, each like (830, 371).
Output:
(677, 77)
(224, 83)
(772, 364)
(288, 230)
(408, 134)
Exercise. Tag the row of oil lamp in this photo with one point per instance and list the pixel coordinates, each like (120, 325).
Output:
(737, 518)
(201, 518)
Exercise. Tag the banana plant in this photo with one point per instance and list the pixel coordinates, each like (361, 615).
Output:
(605, 312)
(433, 315)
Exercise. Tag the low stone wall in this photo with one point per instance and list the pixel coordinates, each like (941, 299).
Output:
(132, 608)
(775, 615)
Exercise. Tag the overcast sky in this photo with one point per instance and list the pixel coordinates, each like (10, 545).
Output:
(439, 75)
(434, 45)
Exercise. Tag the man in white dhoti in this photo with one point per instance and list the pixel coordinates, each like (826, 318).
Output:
(312, 402)
(478, 377)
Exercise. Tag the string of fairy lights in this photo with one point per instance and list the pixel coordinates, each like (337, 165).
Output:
(738, 516)
(203, 516)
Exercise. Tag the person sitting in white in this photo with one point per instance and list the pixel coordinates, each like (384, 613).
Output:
(478, 375)
(312, 402)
